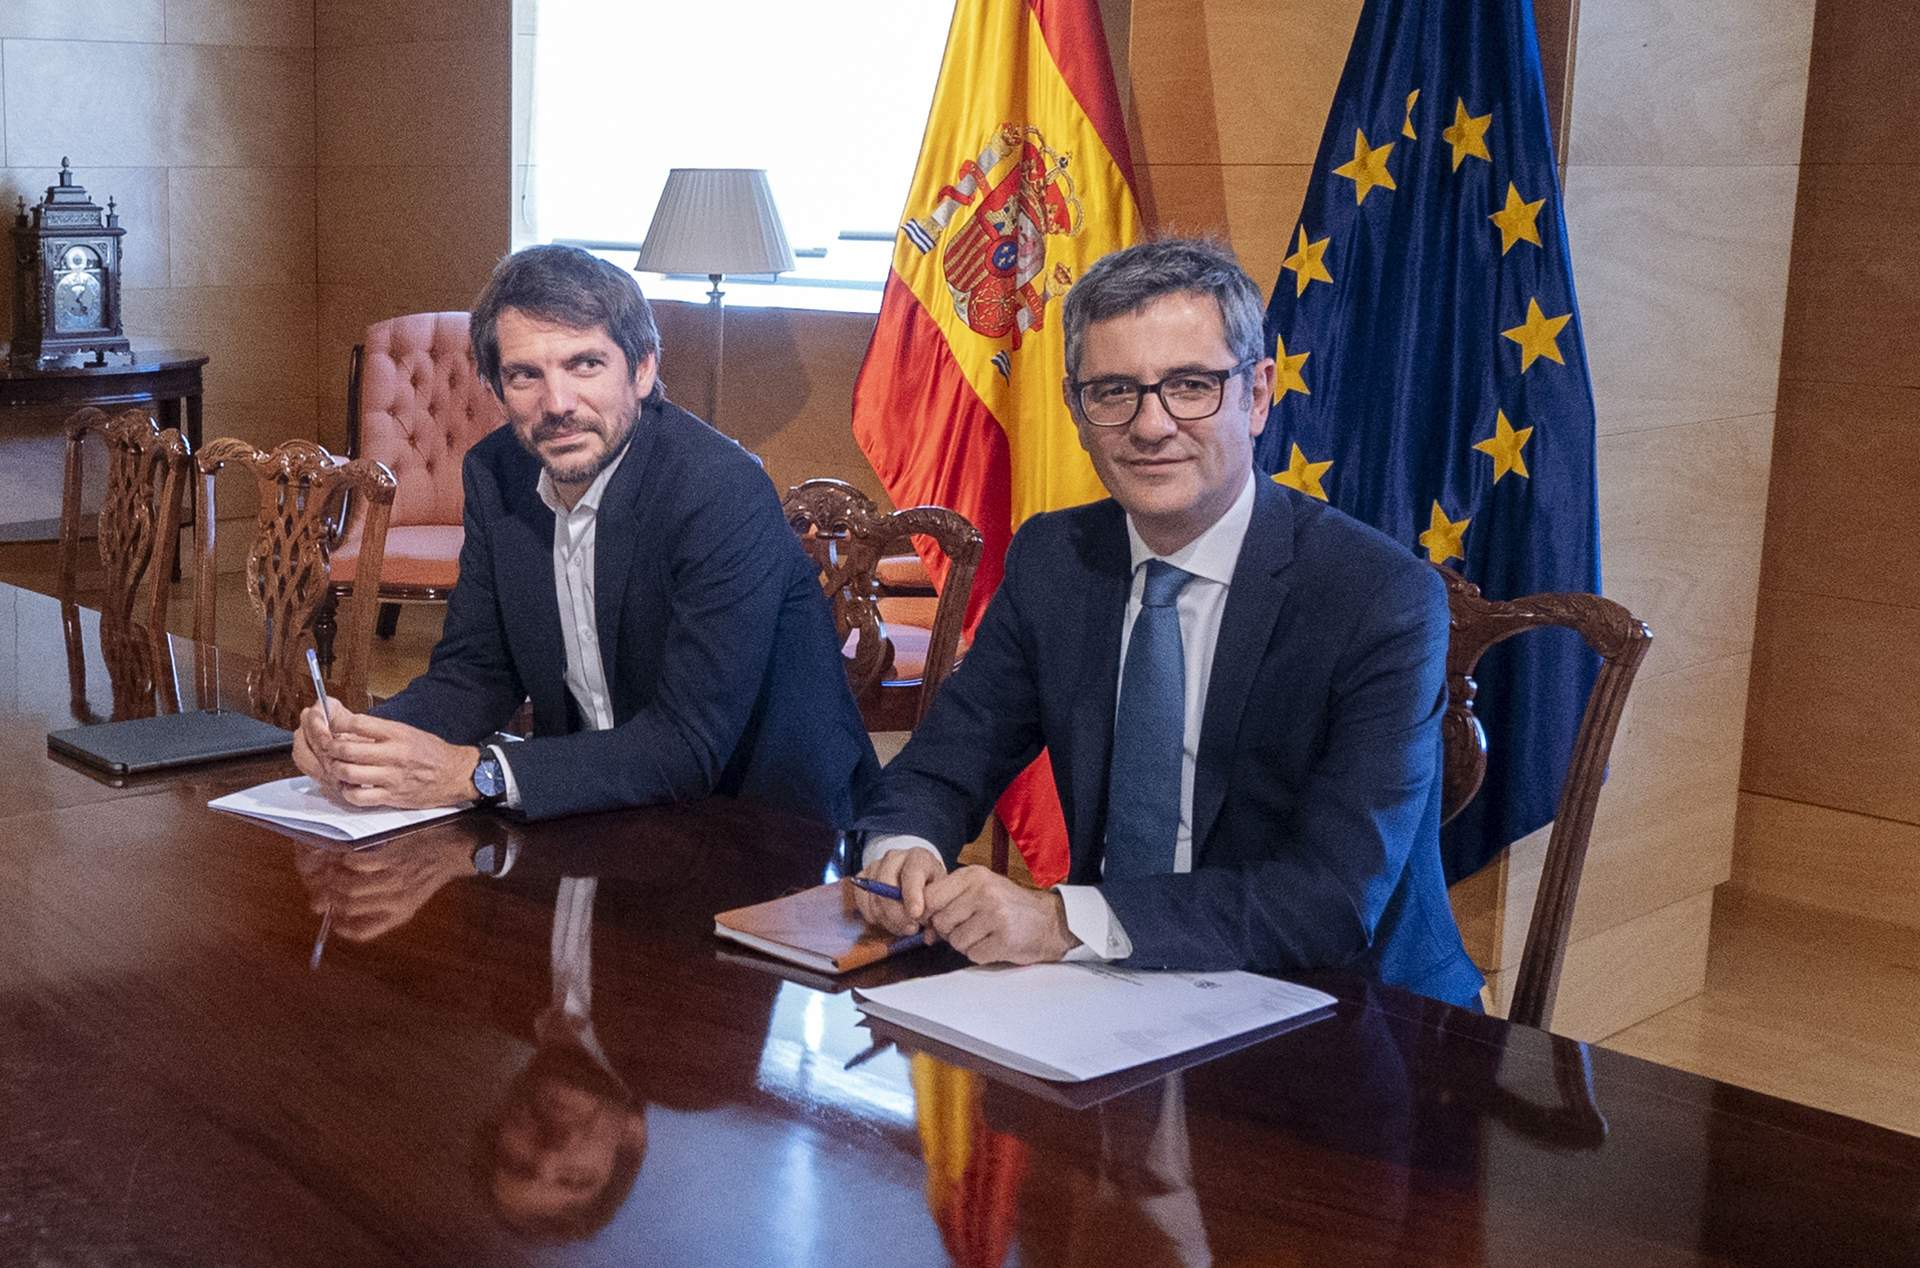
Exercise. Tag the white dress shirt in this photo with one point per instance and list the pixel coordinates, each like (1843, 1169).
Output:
(574, 530)
(1210, 558)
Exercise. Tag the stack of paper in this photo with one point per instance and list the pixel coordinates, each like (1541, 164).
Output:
(1069, 1022)
(299, 804)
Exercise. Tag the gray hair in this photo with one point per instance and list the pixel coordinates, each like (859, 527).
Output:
(1129, 279)
(567, 285)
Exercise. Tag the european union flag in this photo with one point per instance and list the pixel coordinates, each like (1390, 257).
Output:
(1431, 377)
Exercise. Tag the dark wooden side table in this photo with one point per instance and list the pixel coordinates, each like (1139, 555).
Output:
(169, 378)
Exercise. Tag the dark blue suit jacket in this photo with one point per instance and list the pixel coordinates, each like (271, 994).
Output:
(1316, 800)
(717, 643)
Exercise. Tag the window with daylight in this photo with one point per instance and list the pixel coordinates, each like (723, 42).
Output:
(831, 99)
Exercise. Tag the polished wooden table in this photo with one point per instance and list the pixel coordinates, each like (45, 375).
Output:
(177, 1087)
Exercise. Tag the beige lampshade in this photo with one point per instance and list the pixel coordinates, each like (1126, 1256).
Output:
(715, 220)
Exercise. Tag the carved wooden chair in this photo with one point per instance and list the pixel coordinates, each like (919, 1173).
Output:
(897, 651)
(139, 538)
(1621, 641)
(302, 490)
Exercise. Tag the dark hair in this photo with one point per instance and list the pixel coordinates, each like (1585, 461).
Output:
(567, 1063)
(1129, 279)
(567, 285)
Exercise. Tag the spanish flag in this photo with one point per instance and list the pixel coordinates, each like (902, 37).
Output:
(1024, 181)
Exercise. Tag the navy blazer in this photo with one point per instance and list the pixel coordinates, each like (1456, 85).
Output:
(716, 640)
(1316, 799)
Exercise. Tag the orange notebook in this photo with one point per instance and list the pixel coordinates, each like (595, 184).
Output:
(817, 928)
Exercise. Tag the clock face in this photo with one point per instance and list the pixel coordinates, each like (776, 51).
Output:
(77, 301)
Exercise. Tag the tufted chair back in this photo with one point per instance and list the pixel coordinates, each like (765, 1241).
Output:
(419, 406)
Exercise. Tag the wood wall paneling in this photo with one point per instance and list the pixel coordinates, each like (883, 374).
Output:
(1844, 513)
(1829, 859)
(1853, 309)
(1835, 698)
(1862, 92)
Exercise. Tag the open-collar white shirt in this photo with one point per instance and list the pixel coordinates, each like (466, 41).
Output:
(575, 529)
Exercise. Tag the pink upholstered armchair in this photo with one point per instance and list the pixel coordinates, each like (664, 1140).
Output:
(416, 403)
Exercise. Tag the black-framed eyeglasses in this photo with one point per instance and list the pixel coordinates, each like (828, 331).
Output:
(1187, 395)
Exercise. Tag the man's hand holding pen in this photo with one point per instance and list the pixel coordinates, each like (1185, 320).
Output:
(986, 917)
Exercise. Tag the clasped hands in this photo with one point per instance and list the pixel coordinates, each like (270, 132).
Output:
(981, 914)
(369, 761)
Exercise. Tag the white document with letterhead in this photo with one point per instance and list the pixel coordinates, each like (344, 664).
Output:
(1071, 1022)
(299, 804)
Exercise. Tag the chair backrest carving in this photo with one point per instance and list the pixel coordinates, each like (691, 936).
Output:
(1621, 641)
(139, 539)
(302, 491)
(847, 535)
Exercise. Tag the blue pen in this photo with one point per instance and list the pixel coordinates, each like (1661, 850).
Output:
(880, 888)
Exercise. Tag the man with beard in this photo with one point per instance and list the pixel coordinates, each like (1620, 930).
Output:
(625, 567)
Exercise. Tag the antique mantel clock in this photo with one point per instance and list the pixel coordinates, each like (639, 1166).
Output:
(66, 283)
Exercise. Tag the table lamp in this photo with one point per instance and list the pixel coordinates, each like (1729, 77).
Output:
(715, 221)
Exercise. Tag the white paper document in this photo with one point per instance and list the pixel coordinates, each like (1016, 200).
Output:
(1069, 1022)
(296, 803)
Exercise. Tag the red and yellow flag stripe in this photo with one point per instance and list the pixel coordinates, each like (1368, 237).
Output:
(1024, 180)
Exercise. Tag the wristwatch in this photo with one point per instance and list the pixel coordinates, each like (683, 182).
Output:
(488, 779)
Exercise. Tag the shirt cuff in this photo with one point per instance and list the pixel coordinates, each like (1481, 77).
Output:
(1091, 920)
(506, 773)
(883, 845)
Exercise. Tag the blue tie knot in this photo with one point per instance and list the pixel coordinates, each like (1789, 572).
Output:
(1164, 582)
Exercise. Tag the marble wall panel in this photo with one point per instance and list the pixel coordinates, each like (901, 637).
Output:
(1664, 827)
(259, 338)
(255, 23)
(1691, 83)
(1616, 977)
(171, 104)
(1682, 517)
(242, 226)
(45, 120)
(128, 20)
(1682, 279)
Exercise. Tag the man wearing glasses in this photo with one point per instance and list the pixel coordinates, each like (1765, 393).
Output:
(1239, 686)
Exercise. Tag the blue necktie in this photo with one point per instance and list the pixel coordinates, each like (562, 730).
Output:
(1143, 786)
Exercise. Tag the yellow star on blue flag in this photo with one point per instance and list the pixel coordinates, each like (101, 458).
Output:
(1445, 314)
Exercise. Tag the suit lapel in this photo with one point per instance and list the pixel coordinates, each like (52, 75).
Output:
(1108, 562)
(615, 539)
(1246, 627)
(523, 553)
